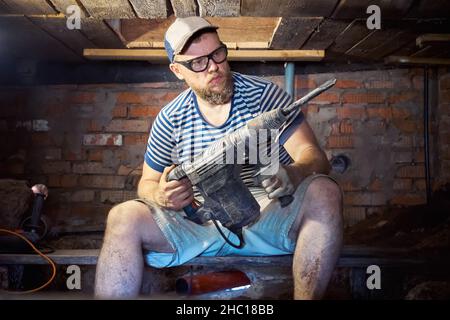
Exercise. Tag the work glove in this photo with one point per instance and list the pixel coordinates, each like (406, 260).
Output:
(277, 185)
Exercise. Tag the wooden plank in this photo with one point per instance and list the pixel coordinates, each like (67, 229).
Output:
(382, 257)
(291, 33)
(184, 8)
(100, 34)
(219, 8)
(354, 9)
(325, 34)
(399, 40)
(371, 42)
(159, 55)
(287, 8)
(433, 51)
(432, 38)
(73, 39)
(139, 33)
(352, 34)
(108, 9)
(29, 7)
(27, 41)
(405, 60)
(61, 6)
(150, 9)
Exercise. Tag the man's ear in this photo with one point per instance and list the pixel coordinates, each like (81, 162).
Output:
(175, 69)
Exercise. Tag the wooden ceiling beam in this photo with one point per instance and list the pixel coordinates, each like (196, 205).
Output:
(108, 9)
(219, 8)
(159, 55)
(150, 9)
(184, 8)
(432, 37)
(404, 60)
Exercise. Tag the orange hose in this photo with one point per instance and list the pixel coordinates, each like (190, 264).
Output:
(50, 261)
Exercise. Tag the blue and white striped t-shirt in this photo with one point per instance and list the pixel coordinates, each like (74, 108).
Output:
(180, 131)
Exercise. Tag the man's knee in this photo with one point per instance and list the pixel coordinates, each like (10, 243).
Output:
(323, 189)
(128, 215)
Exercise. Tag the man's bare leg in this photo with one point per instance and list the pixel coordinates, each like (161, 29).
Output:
(130, 228)
(319, 242)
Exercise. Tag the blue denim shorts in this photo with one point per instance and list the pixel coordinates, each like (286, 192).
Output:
(267, 236)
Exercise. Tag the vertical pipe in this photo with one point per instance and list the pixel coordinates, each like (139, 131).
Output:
(289, 74)
(426, 132)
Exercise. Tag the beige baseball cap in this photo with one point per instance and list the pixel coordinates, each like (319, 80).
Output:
(180, 31)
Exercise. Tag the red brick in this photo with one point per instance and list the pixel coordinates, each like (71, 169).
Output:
(343, 127)
(102, 139)
(444, 139)
(70, 155)
(340, 142)
(407, 126)
(351, 112)
(445, 152)
(154, 85)
(117, 196)
(91, 168)
(304, 83)
(102, 181)
(365, 198)
(145, 97)
(444, 82)
(403, 141)
(420, 184)
(52, 154)
(408, 199)
(417, 171)
(344, 84)
(349, 186)
(408, 96)
(119, 111)
(380, 84)
(82, 97)
(419, 155)
(353, 215)
(402, 184)
(135, 139)
(383, 113)
(62, 181)
(144, 111)
(82, 196)
(94, 126)
(357, 98)
(375, 185)
(418, 82)
(95, 155)
(444, 108)
(326, 98)
(444, 96)
(400, 113)
(42, 139)
(346, 127)
(56, 167)
(128, 126)
(125, 171)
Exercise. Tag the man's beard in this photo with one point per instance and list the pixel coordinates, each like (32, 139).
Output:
(214, 97)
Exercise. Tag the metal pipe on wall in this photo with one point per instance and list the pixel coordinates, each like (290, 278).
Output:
(289, 78)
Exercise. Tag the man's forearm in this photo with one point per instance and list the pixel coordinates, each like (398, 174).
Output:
(310, 161)
(148, 190)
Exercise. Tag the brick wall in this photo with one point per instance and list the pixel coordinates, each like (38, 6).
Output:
(86, 142)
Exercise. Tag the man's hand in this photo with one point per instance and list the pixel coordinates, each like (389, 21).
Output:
(278, 185)
(174, 195)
